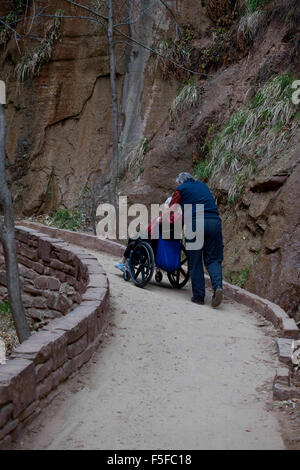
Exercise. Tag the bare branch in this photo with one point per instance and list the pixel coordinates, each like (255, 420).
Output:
(173, 16)
(160, 55)
(90, 10)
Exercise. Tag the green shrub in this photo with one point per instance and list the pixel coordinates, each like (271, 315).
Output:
(4, 308)
(68, 220)
(242, 277)
(253, 5)
(5, 313)
(10, 20)
(203, 170)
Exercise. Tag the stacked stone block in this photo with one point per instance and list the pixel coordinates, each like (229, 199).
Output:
(52, 278)
(32, 375)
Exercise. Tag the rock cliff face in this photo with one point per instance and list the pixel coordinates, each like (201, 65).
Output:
(59, 123)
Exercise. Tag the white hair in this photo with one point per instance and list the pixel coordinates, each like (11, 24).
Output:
(182, 177)
(167, 201)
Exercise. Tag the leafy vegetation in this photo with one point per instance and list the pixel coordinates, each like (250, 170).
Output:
(203, 170)
(6, 318)
(69, 220)
(5, 309)
(242, 277)
(253, 133)
(33, 60)
(253, 5)
(169, 51)
(11, 19)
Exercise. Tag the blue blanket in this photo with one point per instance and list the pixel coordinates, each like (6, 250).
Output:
(168, 255)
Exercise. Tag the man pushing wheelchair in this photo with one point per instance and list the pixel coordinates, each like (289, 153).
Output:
(203, 236)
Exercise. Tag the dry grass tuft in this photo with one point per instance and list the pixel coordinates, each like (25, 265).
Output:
(32, 61)
(254, 133)
(187, 98)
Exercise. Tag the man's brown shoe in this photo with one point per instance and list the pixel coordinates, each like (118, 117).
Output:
(217, 297)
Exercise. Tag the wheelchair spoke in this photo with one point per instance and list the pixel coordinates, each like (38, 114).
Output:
(183, 272)
(142, 264)
(180, 277)
(136, 274)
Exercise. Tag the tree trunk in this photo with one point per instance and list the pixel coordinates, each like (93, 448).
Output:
(114, 92)
(7, 237)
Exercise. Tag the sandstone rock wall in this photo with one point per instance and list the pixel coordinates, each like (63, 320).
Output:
(59, 127)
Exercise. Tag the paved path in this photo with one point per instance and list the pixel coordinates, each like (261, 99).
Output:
(169, 375)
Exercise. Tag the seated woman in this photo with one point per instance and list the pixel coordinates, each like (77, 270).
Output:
(153, 228)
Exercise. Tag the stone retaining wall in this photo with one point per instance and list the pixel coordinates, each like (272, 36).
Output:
(30, 378)
(52, 278)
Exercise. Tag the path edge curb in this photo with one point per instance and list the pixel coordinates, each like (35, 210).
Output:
(272, 312)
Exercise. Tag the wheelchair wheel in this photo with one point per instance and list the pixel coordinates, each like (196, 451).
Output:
(158, 276)
(126, 275)
(180, 277)
(141, 264)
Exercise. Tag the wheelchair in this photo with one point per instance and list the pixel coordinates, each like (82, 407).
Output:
(141, 266)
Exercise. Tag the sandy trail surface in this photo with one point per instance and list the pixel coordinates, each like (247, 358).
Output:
(169, 375)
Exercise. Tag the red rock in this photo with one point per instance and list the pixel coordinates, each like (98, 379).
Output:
(5, 414)
(5, 442)
(44, 369)
(92, 328)
(76, 348)
(84, 356)
(58, 265)
(41, 282)
(39, 268)
(283, 392)
(59, 355)
(283, 376)
(44, 388)
(70, 270)
(97, 280)
(28, 411)
(58, 376)
(53, 283)
(28, 273)
(63, 304)
(44, 250)
(8, 428)
(29, 419)
(20, 375)
(39, 302)
(52, 300)
(22, 235)
(36, 314)
(290, 329)
(4, 393)
(285, 350)
(37, 348)
(94, 294)
(28, 253)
